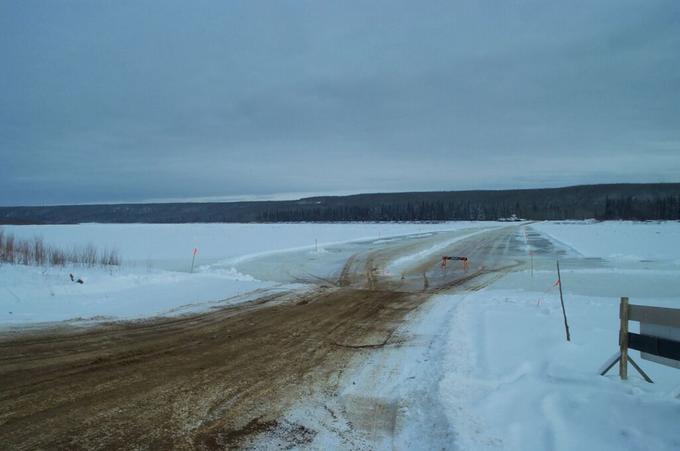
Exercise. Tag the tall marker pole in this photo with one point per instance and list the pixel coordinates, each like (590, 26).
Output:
(193, 259)
(623, 339)
(531, 253)
(564, 313)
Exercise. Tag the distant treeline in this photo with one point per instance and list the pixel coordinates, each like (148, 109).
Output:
(619, 201)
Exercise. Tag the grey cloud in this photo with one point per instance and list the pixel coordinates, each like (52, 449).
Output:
(133, 100)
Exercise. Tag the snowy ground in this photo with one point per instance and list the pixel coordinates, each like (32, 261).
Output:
(510, 379)
(476, 370)
(30, 295)
(170, 246)
(154, 278)
(618, 240)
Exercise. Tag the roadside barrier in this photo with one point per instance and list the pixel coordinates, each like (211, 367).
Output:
(658, 340)
(465, 260)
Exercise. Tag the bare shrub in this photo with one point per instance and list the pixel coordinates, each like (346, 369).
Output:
(109, 258)
(36, 252)
(88, 255)
(9, 249)
(114, 258)
(71, 255)
(57, 257)
(39, 251)
(24, 254)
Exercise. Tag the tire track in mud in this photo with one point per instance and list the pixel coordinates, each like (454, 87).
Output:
(246, 367)
(344, 279)
(211, 380)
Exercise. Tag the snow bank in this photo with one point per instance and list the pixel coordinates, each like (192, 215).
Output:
(512, 381)
(30, 294)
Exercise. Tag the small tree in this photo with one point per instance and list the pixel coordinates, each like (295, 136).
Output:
(9, 249)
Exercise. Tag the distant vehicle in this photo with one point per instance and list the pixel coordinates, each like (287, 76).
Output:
(512, 218)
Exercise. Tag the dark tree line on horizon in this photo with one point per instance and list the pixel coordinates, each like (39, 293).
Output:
(660, 201)
(629, 208)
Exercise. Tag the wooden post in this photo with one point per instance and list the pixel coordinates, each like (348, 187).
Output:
(564, 313)
(532, 264)
(623, 339)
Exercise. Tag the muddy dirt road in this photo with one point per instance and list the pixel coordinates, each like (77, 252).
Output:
(215, 380)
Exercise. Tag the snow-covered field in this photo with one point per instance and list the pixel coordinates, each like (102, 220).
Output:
(170, 246)
(154, 278)
(480, 370)
(618, 240)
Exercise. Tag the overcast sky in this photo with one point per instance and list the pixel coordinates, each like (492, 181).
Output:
(105, 101)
